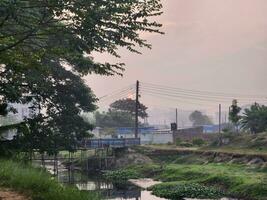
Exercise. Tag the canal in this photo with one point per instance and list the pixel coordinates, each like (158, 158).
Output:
(109, 190)
(134, 190)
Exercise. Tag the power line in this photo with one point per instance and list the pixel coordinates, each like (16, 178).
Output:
(117, 92)
(218, 94)
(190, 94)
(177, 100)
(183, 96)
(117, 96)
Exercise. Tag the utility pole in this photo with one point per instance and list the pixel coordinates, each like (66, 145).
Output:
(220, 116)
(136, 108)
(176, 117)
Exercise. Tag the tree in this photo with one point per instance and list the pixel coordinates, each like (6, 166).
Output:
(255, 118)
(199, 119)
(114, 119)
(93, 26)
(129, 105)
(46, 47)
(234, 116)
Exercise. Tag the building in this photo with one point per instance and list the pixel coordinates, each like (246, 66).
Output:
(148, 135)
(8, 123)
(188, 134)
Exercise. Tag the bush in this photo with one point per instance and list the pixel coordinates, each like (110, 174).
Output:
(121, 175)
(38, 183)
(198, 142)
(187, 190)
(178, 141)
(186, 144)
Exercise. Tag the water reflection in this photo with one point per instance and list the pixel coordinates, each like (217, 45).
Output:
(109, 190)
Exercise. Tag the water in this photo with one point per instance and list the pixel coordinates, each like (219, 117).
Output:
(109, 190)
(132, 190)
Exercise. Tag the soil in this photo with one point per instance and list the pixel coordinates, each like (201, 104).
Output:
(130, 158)
(7, 194)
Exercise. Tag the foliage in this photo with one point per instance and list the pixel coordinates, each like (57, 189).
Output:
(120, 114)
(235, 180)
(121, 175)
(186, 144)
(128, 105)
(114, 119)
(255, 118)
(38, 183)
(199, 119)
(234, 116)
(178, 141)
(45, 49)
(188, 190)
(198, 141)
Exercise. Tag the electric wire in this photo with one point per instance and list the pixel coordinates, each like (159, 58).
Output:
(204, 93)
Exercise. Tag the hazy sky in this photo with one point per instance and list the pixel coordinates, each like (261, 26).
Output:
(210, 45)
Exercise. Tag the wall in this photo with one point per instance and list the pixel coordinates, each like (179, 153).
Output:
(151, 138)
(192, 133)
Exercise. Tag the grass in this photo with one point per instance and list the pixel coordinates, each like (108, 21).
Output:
(241, 143)
(181, 174)
(185, 190)
(38, 184)
(121, 175)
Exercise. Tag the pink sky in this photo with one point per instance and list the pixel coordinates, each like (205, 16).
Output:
(210, 45)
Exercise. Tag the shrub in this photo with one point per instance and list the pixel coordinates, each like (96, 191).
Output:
(178, 141)
(38, 183)
(198, 142)
(121, 175)
(186, 190)
(186, 144)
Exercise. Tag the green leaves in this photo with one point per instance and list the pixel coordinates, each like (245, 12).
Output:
(187, 190)
(255, 118)
(128, 106)
(234, 116)
(45, 49)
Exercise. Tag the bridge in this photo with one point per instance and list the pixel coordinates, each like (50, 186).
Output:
(112, 142)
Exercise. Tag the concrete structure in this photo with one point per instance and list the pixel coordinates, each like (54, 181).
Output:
(189, 134)
(214, 128)
(148, 135)
(113, 143)
(22, 111)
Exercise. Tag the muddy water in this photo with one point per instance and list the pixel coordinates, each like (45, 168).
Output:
(132, 190)
(109, 190)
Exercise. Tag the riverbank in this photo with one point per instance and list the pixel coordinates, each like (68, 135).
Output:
(37, 184)
(7, 194)
(187, 174)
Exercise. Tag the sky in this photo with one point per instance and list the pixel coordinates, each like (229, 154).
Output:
(209, 45)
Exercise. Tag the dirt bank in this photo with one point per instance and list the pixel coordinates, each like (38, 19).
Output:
(7, 194)
(259, 159)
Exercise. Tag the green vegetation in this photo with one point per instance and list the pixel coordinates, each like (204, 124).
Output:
(234, 180)
(47, 47)
(242, 143)
(188, 190)
(37, 183)
(121, 175)
(198, 142)
(181, 172)
(121, 113)
(255, 118)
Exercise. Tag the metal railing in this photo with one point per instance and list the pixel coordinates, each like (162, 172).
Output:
(113, 142)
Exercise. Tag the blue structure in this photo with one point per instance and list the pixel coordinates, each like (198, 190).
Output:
(213, 128)
(130, 130)
(113, 143)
